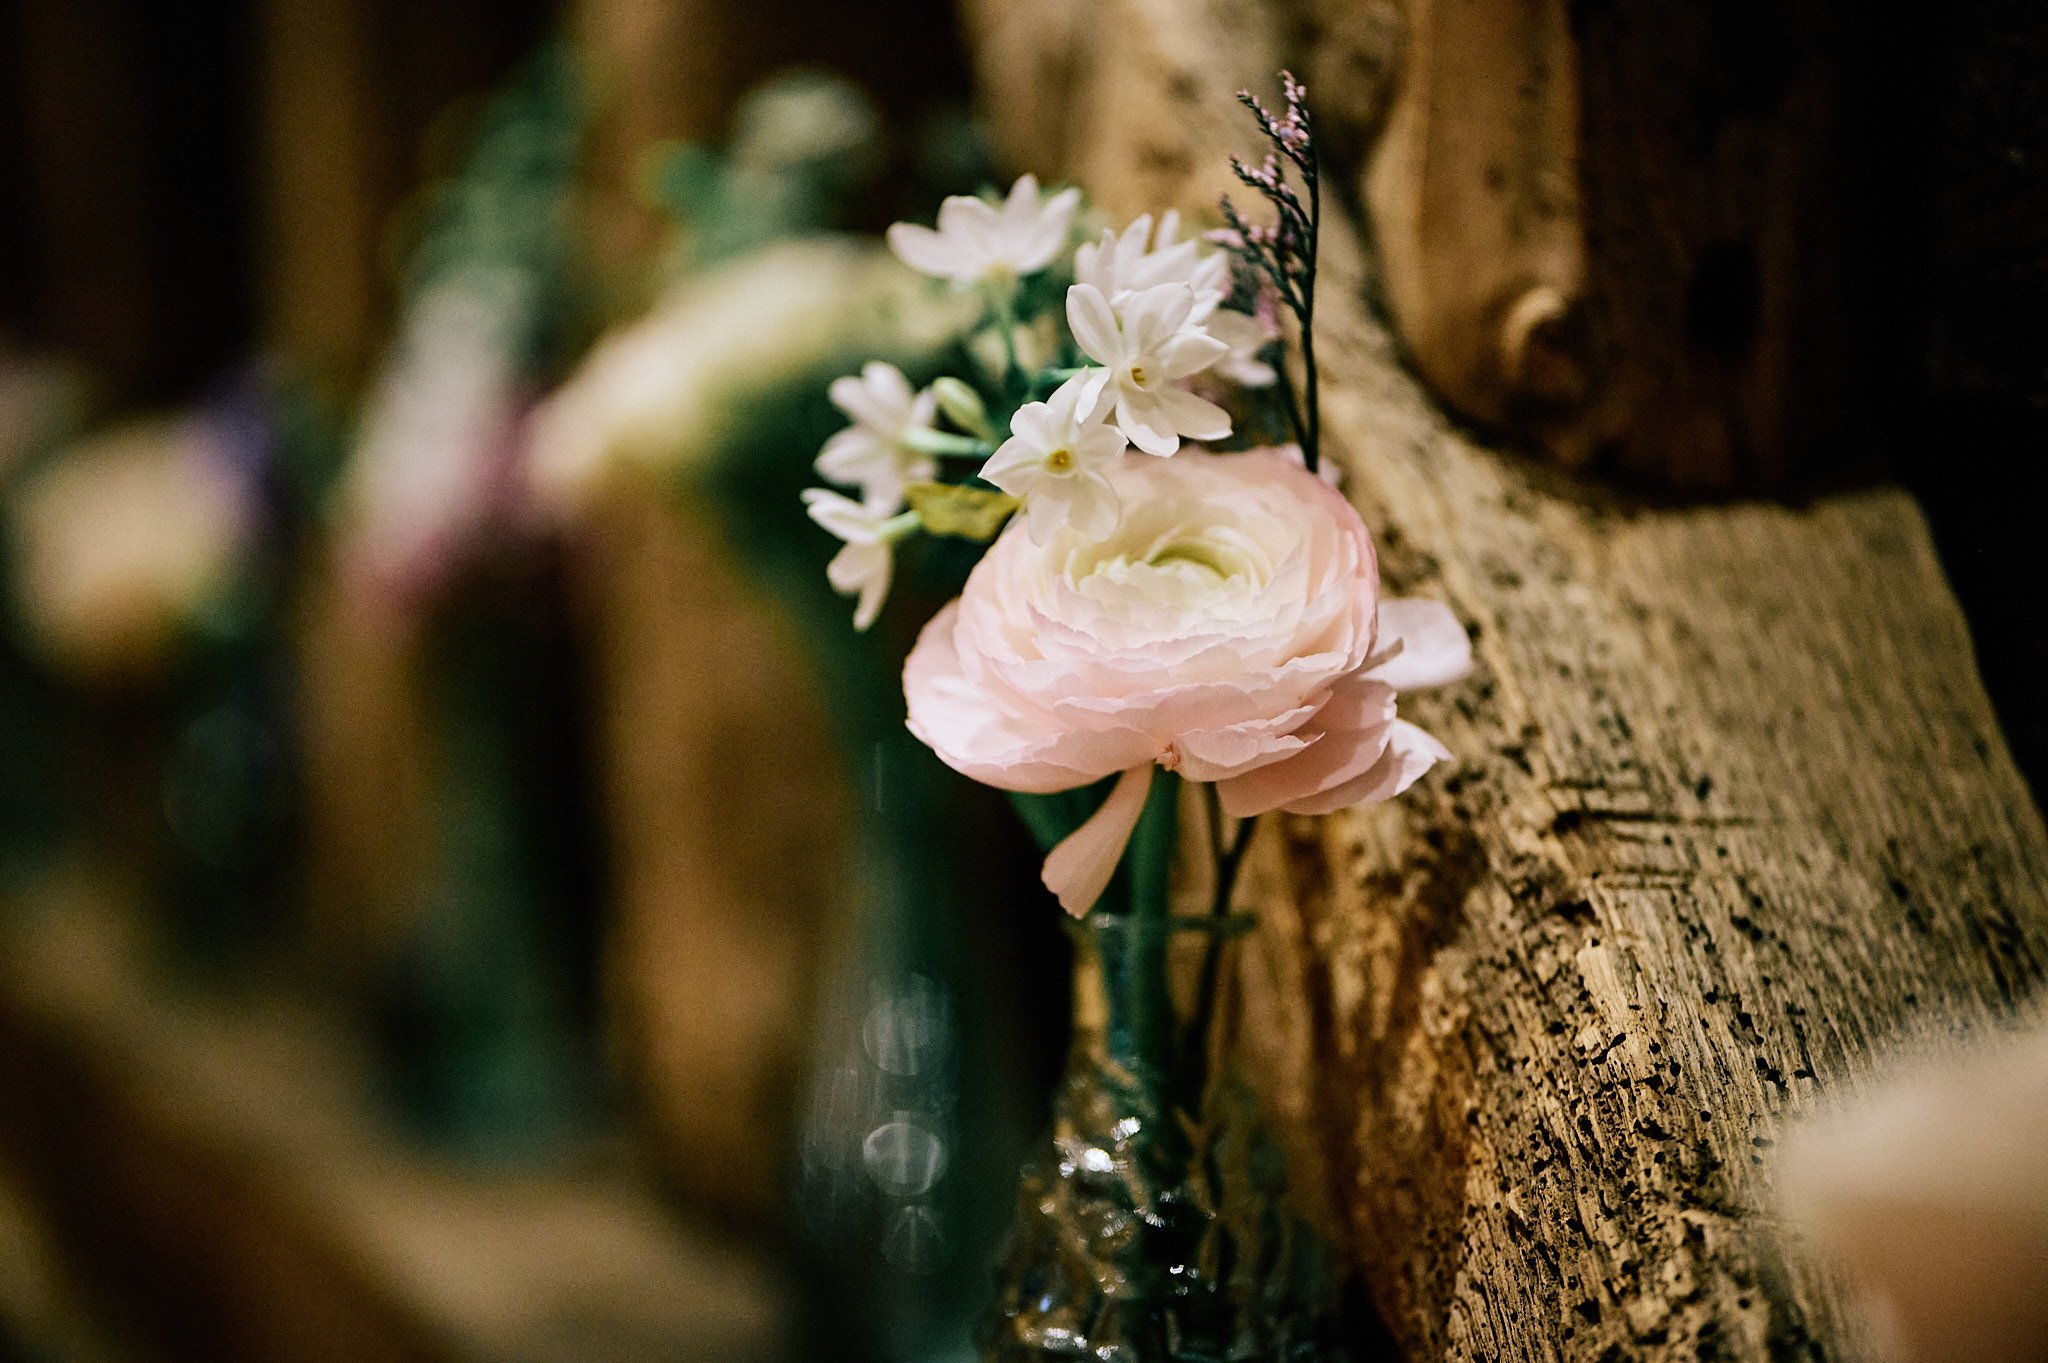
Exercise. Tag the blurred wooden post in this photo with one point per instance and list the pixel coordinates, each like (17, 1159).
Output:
(723, 795)
(1627, 239)
(349, 92)
(660, 70)
(726, 810)
(332, 183)
(1730, 815)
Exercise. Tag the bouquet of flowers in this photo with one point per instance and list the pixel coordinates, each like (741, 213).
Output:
(1163, 604)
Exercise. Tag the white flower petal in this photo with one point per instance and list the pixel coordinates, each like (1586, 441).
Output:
(1041, 424)
(1152, 316)
(1196, 418)
(1189, 352)
(1143, 418)
(842, 516)
(1094, 325)
(929, 252)
(1009, 467)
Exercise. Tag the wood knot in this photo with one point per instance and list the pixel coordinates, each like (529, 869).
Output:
(1541, 347)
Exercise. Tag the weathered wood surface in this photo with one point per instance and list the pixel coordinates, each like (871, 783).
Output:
(1630, 239)
(1730, 818)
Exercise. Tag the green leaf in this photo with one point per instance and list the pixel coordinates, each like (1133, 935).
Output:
(954, 509)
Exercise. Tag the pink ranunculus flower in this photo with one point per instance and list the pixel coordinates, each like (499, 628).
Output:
(1230, 629)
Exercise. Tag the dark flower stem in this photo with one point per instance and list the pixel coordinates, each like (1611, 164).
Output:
(1312, 446)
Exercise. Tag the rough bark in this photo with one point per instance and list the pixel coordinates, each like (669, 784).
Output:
(1730, 819)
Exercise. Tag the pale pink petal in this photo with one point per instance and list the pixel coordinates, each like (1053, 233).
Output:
(1410, 752)
(1346, 738)
(1093, 323)
(955, 717)
(1219, 754)
(1079, 869)
(1434, 648)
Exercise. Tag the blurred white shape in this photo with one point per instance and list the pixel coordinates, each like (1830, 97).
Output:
(125, 540)
(914, 1242)
(438, 434)
(660, 394)
(1931, 1190)
(904, 1028)
(808, 116)
(904, 1157)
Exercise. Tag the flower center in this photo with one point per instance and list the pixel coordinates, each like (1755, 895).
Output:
(1194, 554)
(1060, 460)
(1137, 372)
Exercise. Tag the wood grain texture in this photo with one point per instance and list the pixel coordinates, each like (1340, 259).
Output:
(1473, 189)
(1628, 238)
(1730, 819)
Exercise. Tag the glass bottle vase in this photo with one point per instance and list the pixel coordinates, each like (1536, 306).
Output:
(1155, 1225)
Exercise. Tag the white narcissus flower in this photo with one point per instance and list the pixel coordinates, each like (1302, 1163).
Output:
(873, 454)
(979, 243)
(1055, 460)
(1138, 260)
(864, 562)
(1147, 345)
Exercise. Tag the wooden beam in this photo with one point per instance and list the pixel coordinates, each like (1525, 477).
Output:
(1730, 818)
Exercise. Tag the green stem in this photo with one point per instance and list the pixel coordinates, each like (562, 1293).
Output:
(928, 441)
(1194, 1042)
(1002, 302)
(1150, 1000)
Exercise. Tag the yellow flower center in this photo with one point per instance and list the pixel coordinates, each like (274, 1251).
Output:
(1060, 460)
(1138, 375)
